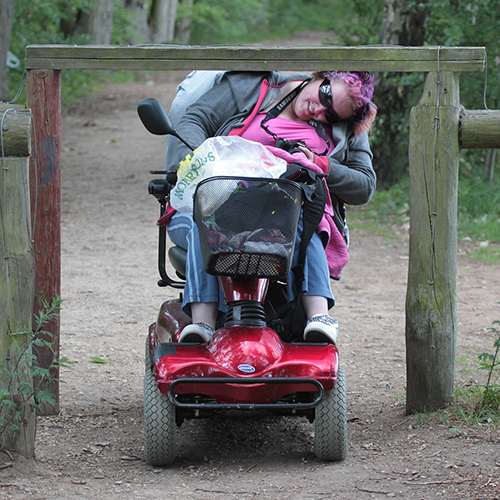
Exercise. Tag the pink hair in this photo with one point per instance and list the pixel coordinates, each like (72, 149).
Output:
(360, 90)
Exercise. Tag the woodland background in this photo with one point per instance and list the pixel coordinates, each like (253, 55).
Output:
(359, 22)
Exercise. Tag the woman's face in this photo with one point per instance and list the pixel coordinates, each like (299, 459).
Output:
(307, 105)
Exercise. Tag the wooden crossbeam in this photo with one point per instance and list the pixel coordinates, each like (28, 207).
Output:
(255, 58)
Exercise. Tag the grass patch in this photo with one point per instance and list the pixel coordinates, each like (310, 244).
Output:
(489, 254)
(475, 404)
(465, 409)
(478, 215)
(389, 209)
(388, 206)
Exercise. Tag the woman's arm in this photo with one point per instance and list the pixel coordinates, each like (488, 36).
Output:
(351, 176)
(210, 115)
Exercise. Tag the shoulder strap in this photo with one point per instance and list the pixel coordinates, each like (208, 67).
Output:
(276, 110)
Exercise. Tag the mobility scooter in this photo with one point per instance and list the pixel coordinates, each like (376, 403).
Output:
(251, 363)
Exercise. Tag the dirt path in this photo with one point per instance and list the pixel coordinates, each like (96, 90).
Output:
(93, 449)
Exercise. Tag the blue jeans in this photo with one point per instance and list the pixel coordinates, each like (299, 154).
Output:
(203, 287)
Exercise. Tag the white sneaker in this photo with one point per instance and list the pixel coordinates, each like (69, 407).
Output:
(320, 329)
(197, 332)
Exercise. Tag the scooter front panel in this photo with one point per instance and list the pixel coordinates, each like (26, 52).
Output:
(245, 353)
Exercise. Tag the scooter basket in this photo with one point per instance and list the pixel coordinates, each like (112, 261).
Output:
(247, 225)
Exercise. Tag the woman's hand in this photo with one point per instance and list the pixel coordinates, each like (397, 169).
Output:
(320, 161)
(309, 154)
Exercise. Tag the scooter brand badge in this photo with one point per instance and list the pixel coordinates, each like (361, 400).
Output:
(246, 368)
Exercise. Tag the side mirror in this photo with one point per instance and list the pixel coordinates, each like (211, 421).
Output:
(156, 120)
(154, 117)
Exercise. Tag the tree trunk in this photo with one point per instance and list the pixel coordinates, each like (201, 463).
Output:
(183, 30)
(162, 21)
(98, 23)
(6, 18)
(138, 10)
(490, 165)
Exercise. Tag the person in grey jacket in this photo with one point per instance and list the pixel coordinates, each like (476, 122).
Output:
(331, 114)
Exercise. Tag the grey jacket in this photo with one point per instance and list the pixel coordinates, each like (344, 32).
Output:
(351, 178)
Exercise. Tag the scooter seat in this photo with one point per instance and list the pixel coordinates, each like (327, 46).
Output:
(177, 257)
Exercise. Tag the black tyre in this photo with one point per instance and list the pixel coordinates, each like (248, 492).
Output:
(330, 439)
(159, 421)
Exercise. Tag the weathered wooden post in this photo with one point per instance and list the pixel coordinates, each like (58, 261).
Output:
(16, 276)
(44, 99)
(431, 321)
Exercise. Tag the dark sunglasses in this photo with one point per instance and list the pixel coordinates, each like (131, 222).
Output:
(325, 98)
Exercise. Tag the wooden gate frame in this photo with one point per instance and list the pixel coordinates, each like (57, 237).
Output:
(431, 322)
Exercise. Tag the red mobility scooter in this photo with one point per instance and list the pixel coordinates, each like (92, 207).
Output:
(251, 362)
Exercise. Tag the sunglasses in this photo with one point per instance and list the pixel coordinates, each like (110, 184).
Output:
(332, 117)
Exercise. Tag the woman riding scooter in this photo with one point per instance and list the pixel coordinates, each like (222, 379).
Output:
(328, 118)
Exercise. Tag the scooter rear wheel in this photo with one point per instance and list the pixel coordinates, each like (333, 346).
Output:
(330, 439)
(159, 421)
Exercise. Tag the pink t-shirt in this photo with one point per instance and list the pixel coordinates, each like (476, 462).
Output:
(286, 129)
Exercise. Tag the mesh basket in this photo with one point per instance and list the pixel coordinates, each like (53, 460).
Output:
(247, 226)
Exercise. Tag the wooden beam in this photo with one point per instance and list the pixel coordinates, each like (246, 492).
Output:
(44, 99)
(255, 58)
(16, 133)
(479, 129)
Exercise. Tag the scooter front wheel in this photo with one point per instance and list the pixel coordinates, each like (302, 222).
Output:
(159, 421)
(330, 438)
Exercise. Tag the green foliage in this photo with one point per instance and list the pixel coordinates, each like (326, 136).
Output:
(39, 22)
(321, 15)
(98, 360)
(388, 206)
(478, 202)
(21, 390)
(474, 23)
(361, 24)
(246, 21)
(123, 27)
(478, 210)
(450, 23)
(490, 403)
(224, 22)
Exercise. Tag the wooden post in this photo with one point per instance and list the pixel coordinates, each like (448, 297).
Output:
(44, 99)
(431, 293)
(16, 274)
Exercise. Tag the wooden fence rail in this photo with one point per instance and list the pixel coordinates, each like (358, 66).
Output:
(431, 296)
(479, 129)
(252, 58)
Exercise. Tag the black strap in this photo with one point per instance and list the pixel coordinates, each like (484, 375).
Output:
(312, 213)
(276, 110)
